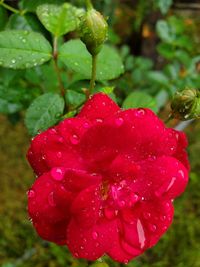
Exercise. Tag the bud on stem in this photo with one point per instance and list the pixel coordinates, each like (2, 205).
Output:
(93, 30)
(186, 104)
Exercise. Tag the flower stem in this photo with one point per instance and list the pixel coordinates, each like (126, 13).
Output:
(12, 9)
(89, 4)
(56, 67)
(93, 75)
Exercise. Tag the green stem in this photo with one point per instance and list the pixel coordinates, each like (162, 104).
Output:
(89, 4)
(93, 76)
(12, 9)
(56, 67)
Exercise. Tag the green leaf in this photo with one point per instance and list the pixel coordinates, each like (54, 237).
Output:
(158, 77)
(164, 31)
(74, 99)
(22, 49)
(59, 20)
(3, 18)
(164, 5)
(10, 99)
(166, 50)
(140, 100)
(31, 5)
(76, 57)
(44, 112)
(27, 22)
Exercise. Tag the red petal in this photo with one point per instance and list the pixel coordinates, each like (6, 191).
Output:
(48, 205)
(86, 207)
(137, 133)
(98, 107)
(58, 146)
(163, 177)
(180, 152)
(145, 224)
(92, 243)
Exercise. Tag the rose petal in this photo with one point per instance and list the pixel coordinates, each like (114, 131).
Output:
(99, 107)
(49, 204)
(86, 207)
(163, 177)
(145, 224)
(92, 243)
(58, 146)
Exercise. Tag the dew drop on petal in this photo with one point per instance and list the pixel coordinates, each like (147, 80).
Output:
(57, 174)
(51, 200)
(140, 112)
(95, 235)
(86, 125)
(59, 154)
(76, 254)
(119, 121)
(181, 173)
(147, 215)
(74, 139)
(163, 218)
(99, 120)
(152, 227)
(31, 193)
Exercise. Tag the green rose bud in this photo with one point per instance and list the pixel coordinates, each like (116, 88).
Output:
(93, 31)
(186, 104)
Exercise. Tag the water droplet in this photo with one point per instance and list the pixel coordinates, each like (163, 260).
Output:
(23, 40)
(81, 247)
(119, 121)
(147, 215)
(126, 262)
(57, 174)
(99, 120)
(86, 125)
(140, 112)
(121, 203)
(51, 199)
(74, 139)
(181, 173)
(31, 193)
(95, 235)
(59, 154)
(152, 227)
(163, 218)
(76, 254)
(13, 61)
(97, 244)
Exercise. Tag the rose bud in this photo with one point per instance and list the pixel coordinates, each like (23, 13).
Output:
(186, 104)
(93, 31)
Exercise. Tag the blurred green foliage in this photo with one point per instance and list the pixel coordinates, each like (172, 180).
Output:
(150, 81)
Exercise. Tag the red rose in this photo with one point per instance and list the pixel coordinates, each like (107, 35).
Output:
(107, 179)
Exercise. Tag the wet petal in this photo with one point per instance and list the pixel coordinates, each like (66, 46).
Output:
(163, 177)
(86, 207)
(49, 205)
(58, 146)
(144, 225)
(98, 107)
(90, 243)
